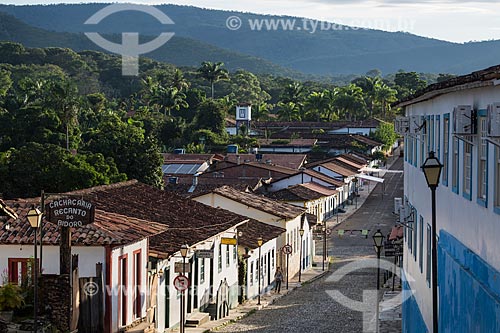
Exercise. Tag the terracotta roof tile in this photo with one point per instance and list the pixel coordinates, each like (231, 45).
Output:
(292, 161)
(260, 202)
(324, 178)
(290, 143)
(189, 221)
(335, 167)
(366, 140)
(252, 230)
(108, 228)
(187, 158)
(301, 192)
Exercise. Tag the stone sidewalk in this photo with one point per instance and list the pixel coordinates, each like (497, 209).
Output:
(267, 299)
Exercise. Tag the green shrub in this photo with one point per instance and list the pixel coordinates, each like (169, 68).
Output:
(10, 297)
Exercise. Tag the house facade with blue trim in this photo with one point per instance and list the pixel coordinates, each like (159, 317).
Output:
(460, 121)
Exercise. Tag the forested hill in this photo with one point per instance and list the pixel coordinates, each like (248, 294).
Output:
(179, 51)
(341, 51)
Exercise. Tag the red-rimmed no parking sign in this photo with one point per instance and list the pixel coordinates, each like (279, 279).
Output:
(181, 282)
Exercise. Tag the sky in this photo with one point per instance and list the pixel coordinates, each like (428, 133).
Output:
(451, 20)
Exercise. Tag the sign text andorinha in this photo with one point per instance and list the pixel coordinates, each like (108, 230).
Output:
(70, 212)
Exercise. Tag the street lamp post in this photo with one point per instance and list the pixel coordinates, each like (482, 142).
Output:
(432, 171)
(259, 243)
(301, 233)
(184, 252)
(35, 218)
(378, 239)
(323, 228)
(355, 181)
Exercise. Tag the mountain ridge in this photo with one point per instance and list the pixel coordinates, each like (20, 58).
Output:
(179, 51)
(349, 51)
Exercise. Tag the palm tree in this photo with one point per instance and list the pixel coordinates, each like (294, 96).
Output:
(317, 104)
(63, 97)
(288, 111)
(293, 92)
(261, 111)
(179, 81)
(213, 72)
(385, 95)
(169, 99)
(349, 101)
(369, 85)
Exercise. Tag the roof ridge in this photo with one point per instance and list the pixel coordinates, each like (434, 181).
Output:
(104, 187)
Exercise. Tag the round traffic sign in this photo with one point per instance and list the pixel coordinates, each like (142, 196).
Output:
(181, 282)
(287, 249)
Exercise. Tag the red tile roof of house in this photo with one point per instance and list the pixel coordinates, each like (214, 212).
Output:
(325, 178)
(355, 159)
(319, 188)
(189, 221)
(334, 167)
(292, 161)
(276, 168)
(347, 161)
(453, 84)
(260, 202)
(302, 192)
(289, 143)
(187, 158)
(366, 140)
(108, 228)
(345, 165)
(252, 230)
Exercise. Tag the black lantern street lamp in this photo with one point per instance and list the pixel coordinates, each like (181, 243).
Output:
(432, 171)
(301, 233)
(378, 239)
(184, 252)
(259, 243)
(35, 219)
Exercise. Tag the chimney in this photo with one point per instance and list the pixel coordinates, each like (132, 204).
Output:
(238, 159)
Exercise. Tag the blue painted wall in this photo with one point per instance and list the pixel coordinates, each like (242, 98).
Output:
(469, 290)
(412, 318)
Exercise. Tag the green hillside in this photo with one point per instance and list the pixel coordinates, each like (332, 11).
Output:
(178, 51)
(341, 51)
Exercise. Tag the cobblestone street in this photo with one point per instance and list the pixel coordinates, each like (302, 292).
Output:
(310, 308)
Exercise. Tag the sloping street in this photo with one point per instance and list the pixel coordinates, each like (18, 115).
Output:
(310, 308)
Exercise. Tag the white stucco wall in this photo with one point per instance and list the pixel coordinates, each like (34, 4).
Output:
(268, 268)
(475, 226)
(88, 256)
(297, 179)
(202, 289)
(116, 297)
(292, 226)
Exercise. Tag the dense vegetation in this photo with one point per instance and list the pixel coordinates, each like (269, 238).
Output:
(334, 51)
(70, 120)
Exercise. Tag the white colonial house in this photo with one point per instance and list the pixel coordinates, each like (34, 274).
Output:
(459, 120)
(317, 199)
(275, 213)
(118, 242)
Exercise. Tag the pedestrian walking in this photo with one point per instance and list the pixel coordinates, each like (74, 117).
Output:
(278, 277)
